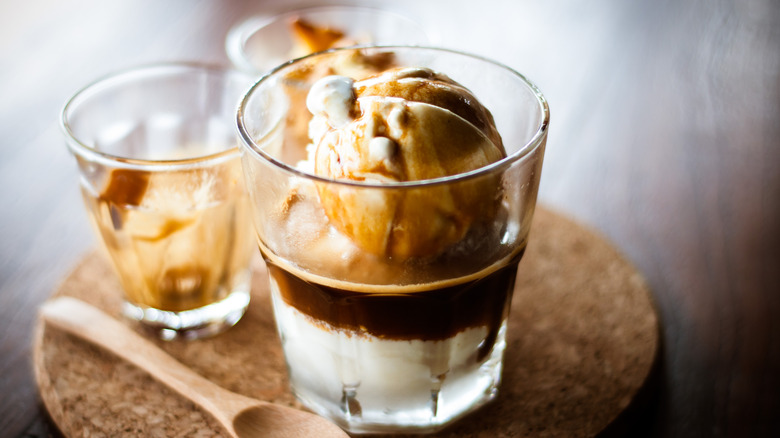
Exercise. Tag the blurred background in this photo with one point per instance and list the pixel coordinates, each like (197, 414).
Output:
(665, 137)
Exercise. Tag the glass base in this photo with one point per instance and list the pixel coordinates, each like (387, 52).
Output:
(447, 401)
(381, 387)
(191, 324)
(441, 410)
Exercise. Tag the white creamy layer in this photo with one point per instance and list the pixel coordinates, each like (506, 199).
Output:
(385, 374)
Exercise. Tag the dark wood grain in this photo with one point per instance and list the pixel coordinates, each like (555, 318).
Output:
(665, 136)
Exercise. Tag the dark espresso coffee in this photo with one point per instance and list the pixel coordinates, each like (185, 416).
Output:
(403, 312)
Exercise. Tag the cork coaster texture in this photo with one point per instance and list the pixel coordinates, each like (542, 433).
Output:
(582, 339)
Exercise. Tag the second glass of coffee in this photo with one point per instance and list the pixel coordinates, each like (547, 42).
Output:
(163, 185)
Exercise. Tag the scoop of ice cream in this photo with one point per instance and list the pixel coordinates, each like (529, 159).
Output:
(405, 124)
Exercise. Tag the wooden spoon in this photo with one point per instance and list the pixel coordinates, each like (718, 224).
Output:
(242, 416)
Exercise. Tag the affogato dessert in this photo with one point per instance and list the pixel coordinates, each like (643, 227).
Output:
(393, 298)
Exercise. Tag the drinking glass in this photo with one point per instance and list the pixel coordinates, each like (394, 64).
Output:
(162, 182)
(260, 43)
(403, 340)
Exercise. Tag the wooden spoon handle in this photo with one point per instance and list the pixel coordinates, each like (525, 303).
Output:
(89, 323)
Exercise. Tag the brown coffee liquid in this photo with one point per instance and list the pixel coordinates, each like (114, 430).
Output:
(175, 260)
(405, 313)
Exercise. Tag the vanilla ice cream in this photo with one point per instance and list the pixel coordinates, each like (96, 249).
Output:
(406, 124)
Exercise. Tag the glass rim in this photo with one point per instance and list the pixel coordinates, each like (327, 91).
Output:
(535, 141)
(239, 34)
(121, 76)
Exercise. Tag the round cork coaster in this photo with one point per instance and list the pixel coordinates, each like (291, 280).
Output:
(583, 337)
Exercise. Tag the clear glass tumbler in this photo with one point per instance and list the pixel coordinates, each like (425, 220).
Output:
(260, 43)
(405, 340)
(162, 181)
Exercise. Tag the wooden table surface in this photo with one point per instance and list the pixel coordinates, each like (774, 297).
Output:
(665, 137)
